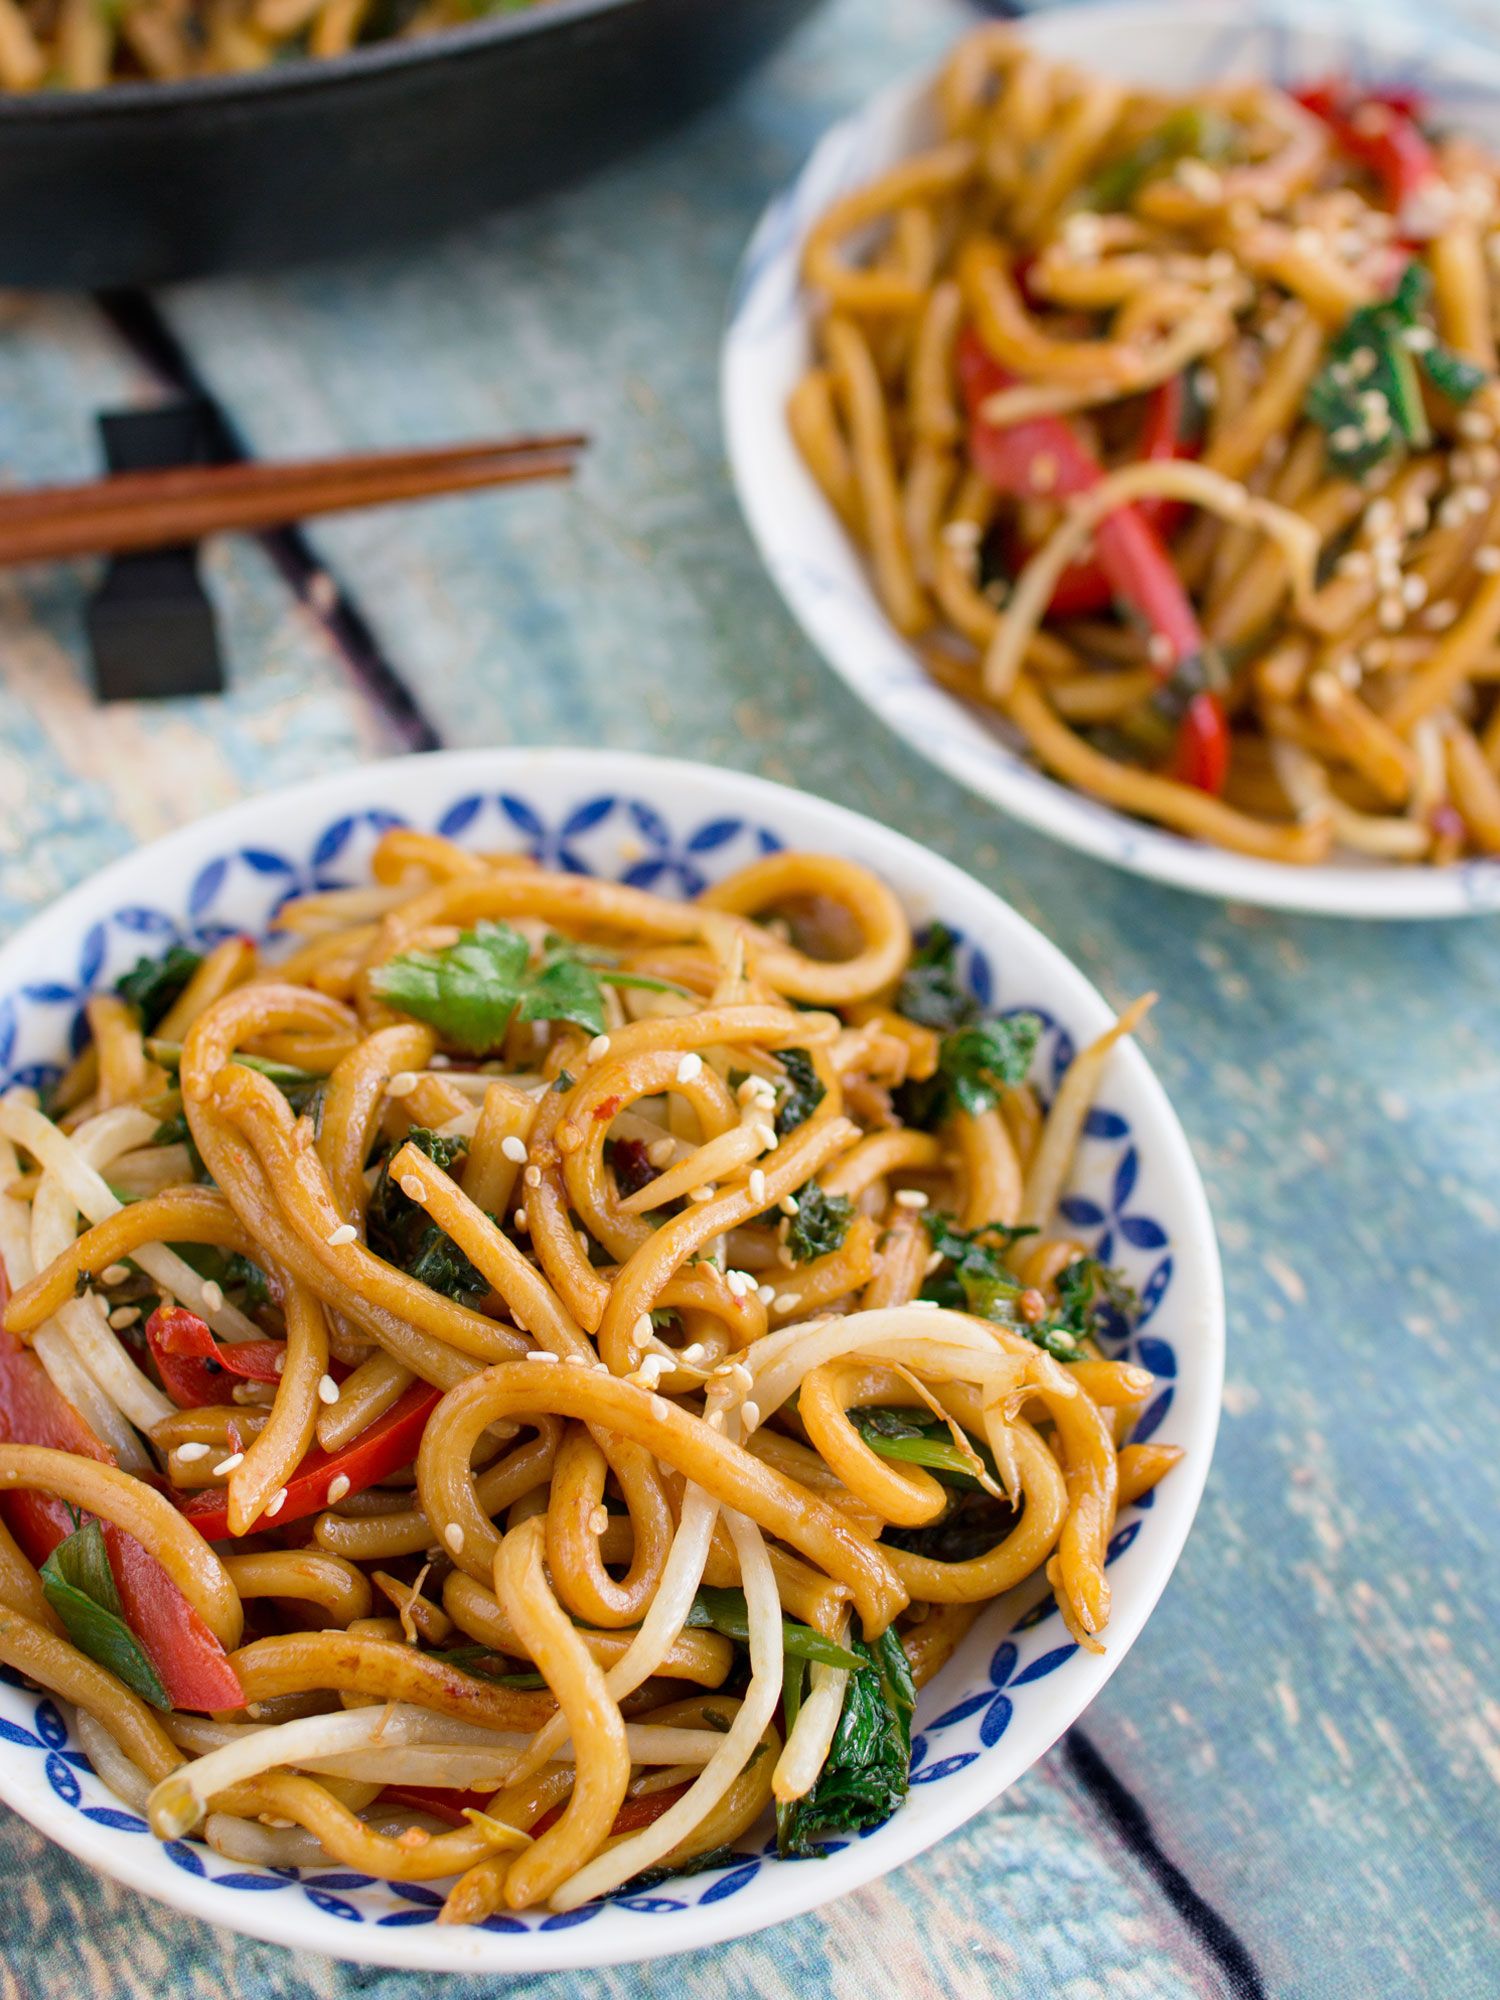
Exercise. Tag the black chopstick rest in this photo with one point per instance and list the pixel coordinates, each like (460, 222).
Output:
(150, 623)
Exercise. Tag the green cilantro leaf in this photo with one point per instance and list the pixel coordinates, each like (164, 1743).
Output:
(472, 990)
(80, 1586)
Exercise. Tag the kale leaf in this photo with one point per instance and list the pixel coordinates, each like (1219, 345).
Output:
(977, 1279)
(400, 1231)
(867, 1772)
(975, 1526)
(981, 1061)
(153, 985)
(931, 992)
(801, 1093)
(820, 1224)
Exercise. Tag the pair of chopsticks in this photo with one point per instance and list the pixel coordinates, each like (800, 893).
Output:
(131, 511)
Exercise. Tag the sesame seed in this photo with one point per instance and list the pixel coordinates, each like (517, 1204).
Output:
(660, 1407)
(715, 1420)
(1475, 424)
(227, 1465)
(573, 1361)
(1487, 560)
(213, 1296)
(787, 1302)
(910, 1198)
(765, 1293)
(598, 1047)
(1452, 512)
(277, 1501)
(1437, 617)
(403, 1083)
(192, 1452)
(280, 1364)
(1354, 562)
(338, 1489)
(1159, 650)
(693, 1355)
(519, 1218)
(1392, 614)
(927, 1305)
(705, 1193)
(758, 1184)
(1199, 179)
(598, 1520)
(1380, 517)
(1475, 499)
(1348, 437)
(1419, 339)
(114, 1274)
(540, 1354)
(932, 1263)
(453, 1535)
(1414, 592)
(1486, 461)
(345, 1233)
(328, 1389)
(1042, 472)
(767, 1137)
(962, 534)
(749, 1415)
(690, 1067)
(514, 1149)
(123, 1316)
(660, 1151)
(412, 1187)
(1206, 387)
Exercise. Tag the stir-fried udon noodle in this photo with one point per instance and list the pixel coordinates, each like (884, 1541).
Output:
(532, 1372)
(83, 45)
(1168, 424)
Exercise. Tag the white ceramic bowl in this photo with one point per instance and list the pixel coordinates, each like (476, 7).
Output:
(1172, 44)
(1015, 1684)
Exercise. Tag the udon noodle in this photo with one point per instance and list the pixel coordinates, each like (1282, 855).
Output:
(1168, 426)
(83, 44)
(530, 1372)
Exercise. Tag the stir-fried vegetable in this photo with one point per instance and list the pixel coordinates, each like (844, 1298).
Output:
(726, 1611)
(79, 1585)
(868, 1770)
(1191, 132)
(153, 985)
(1367, 396)
(820, 1224)
(802, 1092)
(400, 1230)
(1044, 458)
(381, 1448)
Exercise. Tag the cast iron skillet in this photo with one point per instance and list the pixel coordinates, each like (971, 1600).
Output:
(143, 182)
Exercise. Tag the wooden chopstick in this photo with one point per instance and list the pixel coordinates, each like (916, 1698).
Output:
(145, 510)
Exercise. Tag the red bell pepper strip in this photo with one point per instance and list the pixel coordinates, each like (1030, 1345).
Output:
(190, 1663)
(633, 1813)
(1379, 130)
(382, 1448)
(192, 1364)
(1044, 458)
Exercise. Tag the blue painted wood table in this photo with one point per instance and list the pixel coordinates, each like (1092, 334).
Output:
(1292, 1785)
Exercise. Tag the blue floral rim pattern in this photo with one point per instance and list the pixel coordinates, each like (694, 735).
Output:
(630, 840)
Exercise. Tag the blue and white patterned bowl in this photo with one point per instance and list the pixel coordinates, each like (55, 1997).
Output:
(1172, 44)
(1017, 1682)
